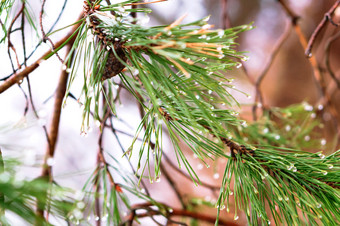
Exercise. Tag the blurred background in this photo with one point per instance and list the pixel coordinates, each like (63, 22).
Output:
(276, 55)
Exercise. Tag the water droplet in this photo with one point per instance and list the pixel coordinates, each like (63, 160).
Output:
(249, 96)
(228, 209)
(220, 33)
(50, 161)
(244, 124)
(320, 107)
(245, 58)
(280, 198)
(294, 169)
(323, 142)
(158, 179)
(313, 115)
(206, 19)
(308, 107)
(200, 166)
(318, 206)
(320, 217)
(202, 37)
(287, 199)
(322, 156)
(256, 191)
(221, 56)
(238, 65)
(80, 205)
(170, 210)
(277, 137)
(231, 193)
(290, 167)
(236, 218)
(64, 67)
(324, 173)
(265, 130)
(216, 176)
(288, 128)
(222, 207)
(269, 222)
(307, 138)
(210, 91)
(97, 218)
(330, 166)
(310, 55)
(197, 97)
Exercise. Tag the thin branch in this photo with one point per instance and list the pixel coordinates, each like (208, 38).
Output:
(44, 37)
(225, 18)
(19, 76)
(54, 127)
(173, 185)
(170, 163)
(327, 55)
(327, 17)
(259, 95)
(174, 213)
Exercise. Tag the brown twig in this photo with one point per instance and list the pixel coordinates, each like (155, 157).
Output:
(327, 55)
(225, 18)
(19, 76)
(173, 212)
(321, 25)
(276, 49)
(10, 44)
(170, 163)
(44, 37)
(52, 134)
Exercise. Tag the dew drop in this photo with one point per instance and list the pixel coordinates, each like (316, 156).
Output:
(324, 173)
(238, 65)
(96, 218)
(280, 198)
(222, 207)
(277, 137)
(50, 161)
(269, 222)
(313, 115)
(170, 210)
(320, 107)
(320, 217)
(288, 128)
(216, 176)
(265, 130)
(210, 91)
(294, 169)
(287, 199)
(310, 55)
(307, 138)
(308, 107)
(220, 33)
(200, 166)
(318, 206)
(158, 179)
(206, 19)
(290, 167)
(330, 166)
(231, 193)
(236, 218)
(323, 142)
(322, 156)
(245, 58)
(197, 97)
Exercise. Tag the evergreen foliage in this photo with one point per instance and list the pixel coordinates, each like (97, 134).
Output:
(175, 72)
